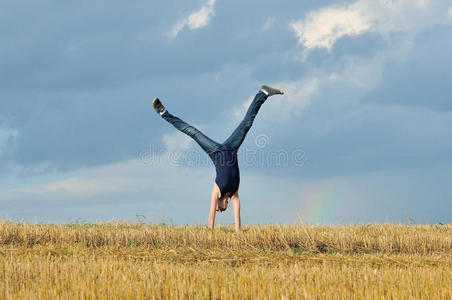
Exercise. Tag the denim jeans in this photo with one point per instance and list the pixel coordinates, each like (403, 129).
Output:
(236, 138)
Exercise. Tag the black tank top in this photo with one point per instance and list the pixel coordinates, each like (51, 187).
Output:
(228, 174)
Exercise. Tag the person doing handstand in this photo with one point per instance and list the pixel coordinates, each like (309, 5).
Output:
(224, 156)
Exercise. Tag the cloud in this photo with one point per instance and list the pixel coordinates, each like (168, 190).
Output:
(195, 20)
(343, 129)
(164, 192)
(422, 77)
(155, 188)
(380, 196)
(297, 95)
(176, 141)
(77, 91)
(322, 28)
(268, 24)
(239, 112)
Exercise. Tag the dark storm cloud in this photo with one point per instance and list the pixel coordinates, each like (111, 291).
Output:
(77, 78)
(424, 77)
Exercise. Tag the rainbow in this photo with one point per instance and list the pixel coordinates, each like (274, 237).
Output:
(322, 203)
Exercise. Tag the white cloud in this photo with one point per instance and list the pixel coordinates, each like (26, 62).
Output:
(156, 188)
(239, 112)
(163, 192)
(360, 75)
(450, 13)
(268, 24)
(322, 28)
(297, 95)
(176, 141)
(195, 20)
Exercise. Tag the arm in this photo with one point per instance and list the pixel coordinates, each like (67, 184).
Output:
(213, 206)
(236, 207)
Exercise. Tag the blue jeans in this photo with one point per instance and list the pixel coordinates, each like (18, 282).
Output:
(236, 138)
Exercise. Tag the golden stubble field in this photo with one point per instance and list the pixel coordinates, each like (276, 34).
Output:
(136, 261)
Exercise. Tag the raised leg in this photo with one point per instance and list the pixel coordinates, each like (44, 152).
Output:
(208, 145)
(239, 134)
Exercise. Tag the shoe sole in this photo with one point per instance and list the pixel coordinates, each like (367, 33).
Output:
(154, 101)
(272, 88)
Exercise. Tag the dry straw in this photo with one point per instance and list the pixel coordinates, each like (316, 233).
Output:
(136, 261)
(378, 238)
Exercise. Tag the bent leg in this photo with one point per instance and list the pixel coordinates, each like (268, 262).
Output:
(237, 137)
(208, 145)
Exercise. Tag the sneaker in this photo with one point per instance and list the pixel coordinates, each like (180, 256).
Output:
(158, 106)
(270, 91)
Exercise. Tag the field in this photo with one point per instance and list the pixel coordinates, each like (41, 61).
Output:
(138, 261)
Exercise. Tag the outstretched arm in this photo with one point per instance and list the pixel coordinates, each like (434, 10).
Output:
(213, 206)
(236, 207)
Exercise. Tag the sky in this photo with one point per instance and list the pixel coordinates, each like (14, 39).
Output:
(362, 135)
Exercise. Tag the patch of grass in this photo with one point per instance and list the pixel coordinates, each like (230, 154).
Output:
(142, 261)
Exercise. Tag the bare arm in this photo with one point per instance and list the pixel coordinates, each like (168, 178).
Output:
(236, 208)
(213, 206)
